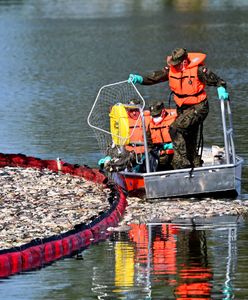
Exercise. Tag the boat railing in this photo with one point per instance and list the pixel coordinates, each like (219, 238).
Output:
(226, 115)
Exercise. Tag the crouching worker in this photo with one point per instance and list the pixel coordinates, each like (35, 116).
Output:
(118, 161)
(158, 138)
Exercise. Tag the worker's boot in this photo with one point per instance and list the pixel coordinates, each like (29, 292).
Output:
(180, 162)
(197, 162)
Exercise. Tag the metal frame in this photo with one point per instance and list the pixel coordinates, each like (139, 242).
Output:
(228, 132)
(230, 154)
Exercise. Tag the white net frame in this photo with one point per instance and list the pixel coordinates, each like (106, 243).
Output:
(108, 96)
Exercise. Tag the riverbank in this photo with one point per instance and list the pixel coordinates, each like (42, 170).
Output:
(40, 203)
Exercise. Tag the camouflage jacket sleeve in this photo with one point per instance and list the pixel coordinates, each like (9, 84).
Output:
(209, 78)
(205, 75)
(156, 77)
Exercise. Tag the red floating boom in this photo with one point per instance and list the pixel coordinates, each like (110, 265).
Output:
(41, 252)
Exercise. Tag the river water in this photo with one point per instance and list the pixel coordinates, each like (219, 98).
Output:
(55, 56)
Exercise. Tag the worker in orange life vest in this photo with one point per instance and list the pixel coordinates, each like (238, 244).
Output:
(158, 128)
(135, 126)
(187, 76)
(158, 137)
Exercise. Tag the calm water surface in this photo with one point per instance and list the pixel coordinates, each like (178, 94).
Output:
(55, 55)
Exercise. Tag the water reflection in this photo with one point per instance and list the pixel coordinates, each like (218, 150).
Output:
(194, 272)
(124, 265)
(167, 261)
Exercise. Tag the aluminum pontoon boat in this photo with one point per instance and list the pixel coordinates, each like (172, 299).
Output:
(220, 172)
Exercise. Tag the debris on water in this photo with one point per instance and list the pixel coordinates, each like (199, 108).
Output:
(164, 211)
(121, 228)
(41, 203)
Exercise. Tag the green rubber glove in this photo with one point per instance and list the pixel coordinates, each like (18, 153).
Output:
(222, 93)
(102, 161)
(135, 79)
(168, 146)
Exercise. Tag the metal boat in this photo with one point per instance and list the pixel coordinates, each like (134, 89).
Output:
(220, 173)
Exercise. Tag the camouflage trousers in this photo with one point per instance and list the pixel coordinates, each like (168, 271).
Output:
(184, 133)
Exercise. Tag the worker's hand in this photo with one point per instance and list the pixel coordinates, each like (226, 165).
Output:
(168, 146)
(222, 93)
(135, 79)
(104, 161)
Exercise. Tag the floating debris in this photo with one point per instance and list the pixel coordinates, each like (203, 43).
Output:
(41, 203)
(161, 211)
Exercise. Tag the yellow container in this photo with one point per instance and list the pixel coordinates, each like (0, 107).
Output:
(119, 125)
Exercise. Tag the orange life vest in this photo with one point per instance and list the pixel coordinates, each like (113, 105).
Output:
(135, 130)
(187, 87)
(160, 131)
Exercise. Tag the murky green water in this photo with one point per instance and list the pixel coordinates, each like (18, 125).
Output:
(55, 55)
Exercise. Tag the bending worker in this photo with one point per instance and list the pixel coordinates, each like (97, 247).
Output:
(187, 76)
